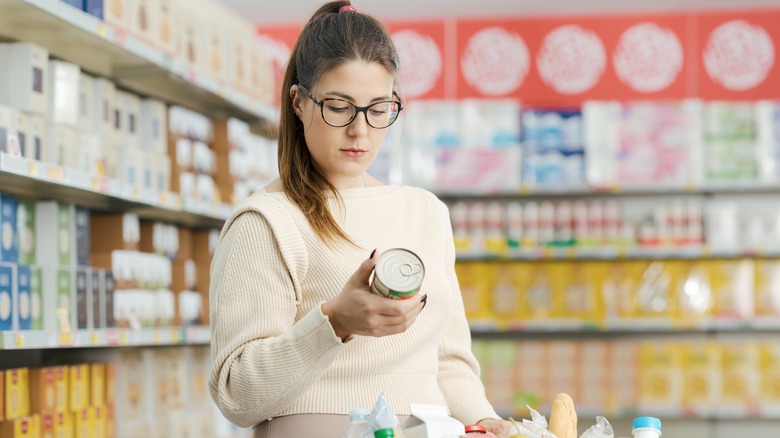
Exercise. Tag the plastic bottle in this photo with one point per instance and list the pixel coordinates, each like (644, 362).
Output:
(647, 427)
(387, 432)
(358, 419)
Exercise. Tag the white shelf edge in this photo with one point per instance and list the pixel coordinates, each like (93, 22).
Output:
(99, 338)
(710, 325)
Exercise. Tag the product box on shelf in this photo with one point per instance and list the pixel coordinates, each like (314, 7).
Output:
(96, 317)
(153, 126)
(593, 375)
(193, 37)
(64, 93)
(132, 112)
(261, 79)
(239, 45)
(7, 135)
(78, 4)
(143, 16)
(38, 141)
(36, 298)
(26, 427)
(115, 12)
(17, 393)
(94, 8)
(84, 424)
(9, 241)
(25, 225)
(767, 285)
(107, 293)
(660, 376)
(8, 295)
(88, 111)
(54, 231)
(163, 30)
(45, 387)
(740, 376)
(21, 127)
(769, 362)
(23, 299)
(78, 386)
(702, 377)
(63, 145)
(624, 374)
(97, 384)
(216, 40)
(103, 116)
(83, 300)
(2, 397)
(58, 297)
(82, 241)
(23, 85)
(531, 380)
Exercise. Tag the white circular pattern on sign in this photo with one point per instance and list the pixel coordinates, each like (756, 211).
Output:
(495, 61)
(648, 58)
(739, 55)
(421, 62)
(571, 59)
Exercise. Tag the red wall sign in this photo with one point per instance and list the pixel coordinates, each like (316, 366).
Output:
(424, 60)
(738, 53)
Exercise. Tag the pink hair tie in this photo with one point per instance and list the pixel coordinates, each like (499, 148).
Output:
(348, 8)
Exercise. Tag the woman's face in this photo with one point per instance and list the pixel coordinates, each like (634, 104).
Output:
(345, 153)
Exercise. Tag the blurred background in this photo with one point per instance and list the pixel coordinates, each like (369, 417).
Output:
(612, 171)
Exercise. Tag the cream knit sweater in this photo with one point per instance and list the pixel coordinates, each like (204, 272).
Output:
(275, 353)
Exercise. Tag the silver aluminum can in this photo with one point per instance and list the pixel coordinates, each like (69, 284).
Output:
(398, 274)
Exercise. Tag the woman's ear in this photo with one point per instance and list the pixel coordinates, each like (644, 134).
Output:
(295, 98)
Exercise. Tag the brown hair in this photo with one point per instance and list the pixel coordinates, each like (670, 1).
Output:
(330, 38)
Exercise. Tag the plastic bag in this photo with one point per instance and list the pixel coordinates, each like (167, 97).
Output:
(381, 417)
(536, 427)
(602, 429)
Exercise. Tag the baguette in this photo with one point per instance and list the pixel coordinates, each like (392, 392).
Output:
(563, 417)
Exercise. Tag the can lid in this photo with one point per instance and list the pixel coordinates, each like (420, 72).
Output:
(647, 423)
(400, 269)
(358, 414)
(476, 428)
(388, 432)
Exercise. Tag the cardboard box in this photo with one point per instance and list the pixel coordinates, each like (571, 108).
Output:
(17, 393)
(204, 243)
(109, 232)
(85, 422)
(78, 385)
(23, 300)
(153, 128)
(83, 298)
(9, 235)
(25, 226)
(431, 420)
(116, 13)
(97, 384)
(38, 132)
(27, 427)
(21, 127)
(163, 31)
(36, 298)
(8, 295)
(64, 95)
(44, 387)
(23, 84)
(58, 297)
(54, 230)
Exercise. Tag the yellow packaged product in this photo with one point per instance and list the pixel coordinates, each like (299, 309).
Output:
(79, 387)
(768, 288)
(506, 281)
(660, 375)
(733, 283)
(623, 380)
(17, 393)
(693, 292)
(769, 360)
(474, 288)
(531, 375)
(701, 377)
(654, 298)
(617, 282)
(538, 297)
(741, 376)
(500, 376)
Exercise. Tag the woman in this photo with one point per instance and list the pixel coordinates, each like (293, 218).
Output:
(298, 339)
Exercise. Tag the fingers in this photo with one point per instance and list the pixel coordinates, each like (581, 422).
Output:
(363, 274)
(402, 307)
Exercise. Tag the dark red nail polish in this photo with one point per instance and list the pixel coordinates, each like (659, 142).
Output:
(372, 254)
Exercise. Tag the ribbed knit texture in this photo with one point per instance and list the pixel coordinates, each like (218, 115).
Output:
(275, 353)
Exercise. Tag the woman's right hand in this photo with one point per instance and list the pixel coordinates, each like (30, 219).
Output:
(358, 311)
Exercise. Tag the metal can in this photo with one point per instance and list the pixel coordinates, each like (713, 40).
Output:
(398, 274)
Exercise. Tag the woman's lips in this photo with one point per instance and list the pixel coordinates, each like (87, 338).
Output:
(353, 153)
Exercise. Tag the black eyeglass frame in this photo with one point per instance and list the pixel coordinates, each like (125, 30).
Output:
(358, 109)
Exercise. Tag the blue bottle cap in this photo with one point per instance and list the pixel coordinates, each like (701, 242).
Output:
(647, 423)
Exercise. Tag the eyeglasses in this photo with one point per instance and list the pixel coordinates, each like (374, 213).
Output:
(339, 113)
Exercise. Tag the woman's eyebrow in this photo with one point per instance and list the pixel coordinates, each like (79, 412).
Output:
(350, 98)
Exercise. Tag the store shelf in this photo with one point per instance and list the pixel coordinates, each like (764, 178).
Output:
(611, 253)
(588, 415)
(610, 191)
(491, 329)
(40, 339)
(73, 35)
(39, 180)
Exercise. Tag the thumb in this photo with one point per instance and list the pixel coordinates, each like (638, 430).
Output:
(361, 276)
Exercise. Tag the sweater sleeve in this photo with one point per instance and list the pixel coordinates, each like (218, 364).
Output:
(263, 359)
(458, 368)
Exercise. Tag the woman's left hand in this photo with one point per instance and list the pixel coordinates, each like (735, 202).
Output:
(496, 428)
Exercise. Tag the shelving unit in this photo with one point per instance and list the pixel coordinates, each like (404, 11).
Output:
(101, 49)
(36, 179)
(163, 336)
